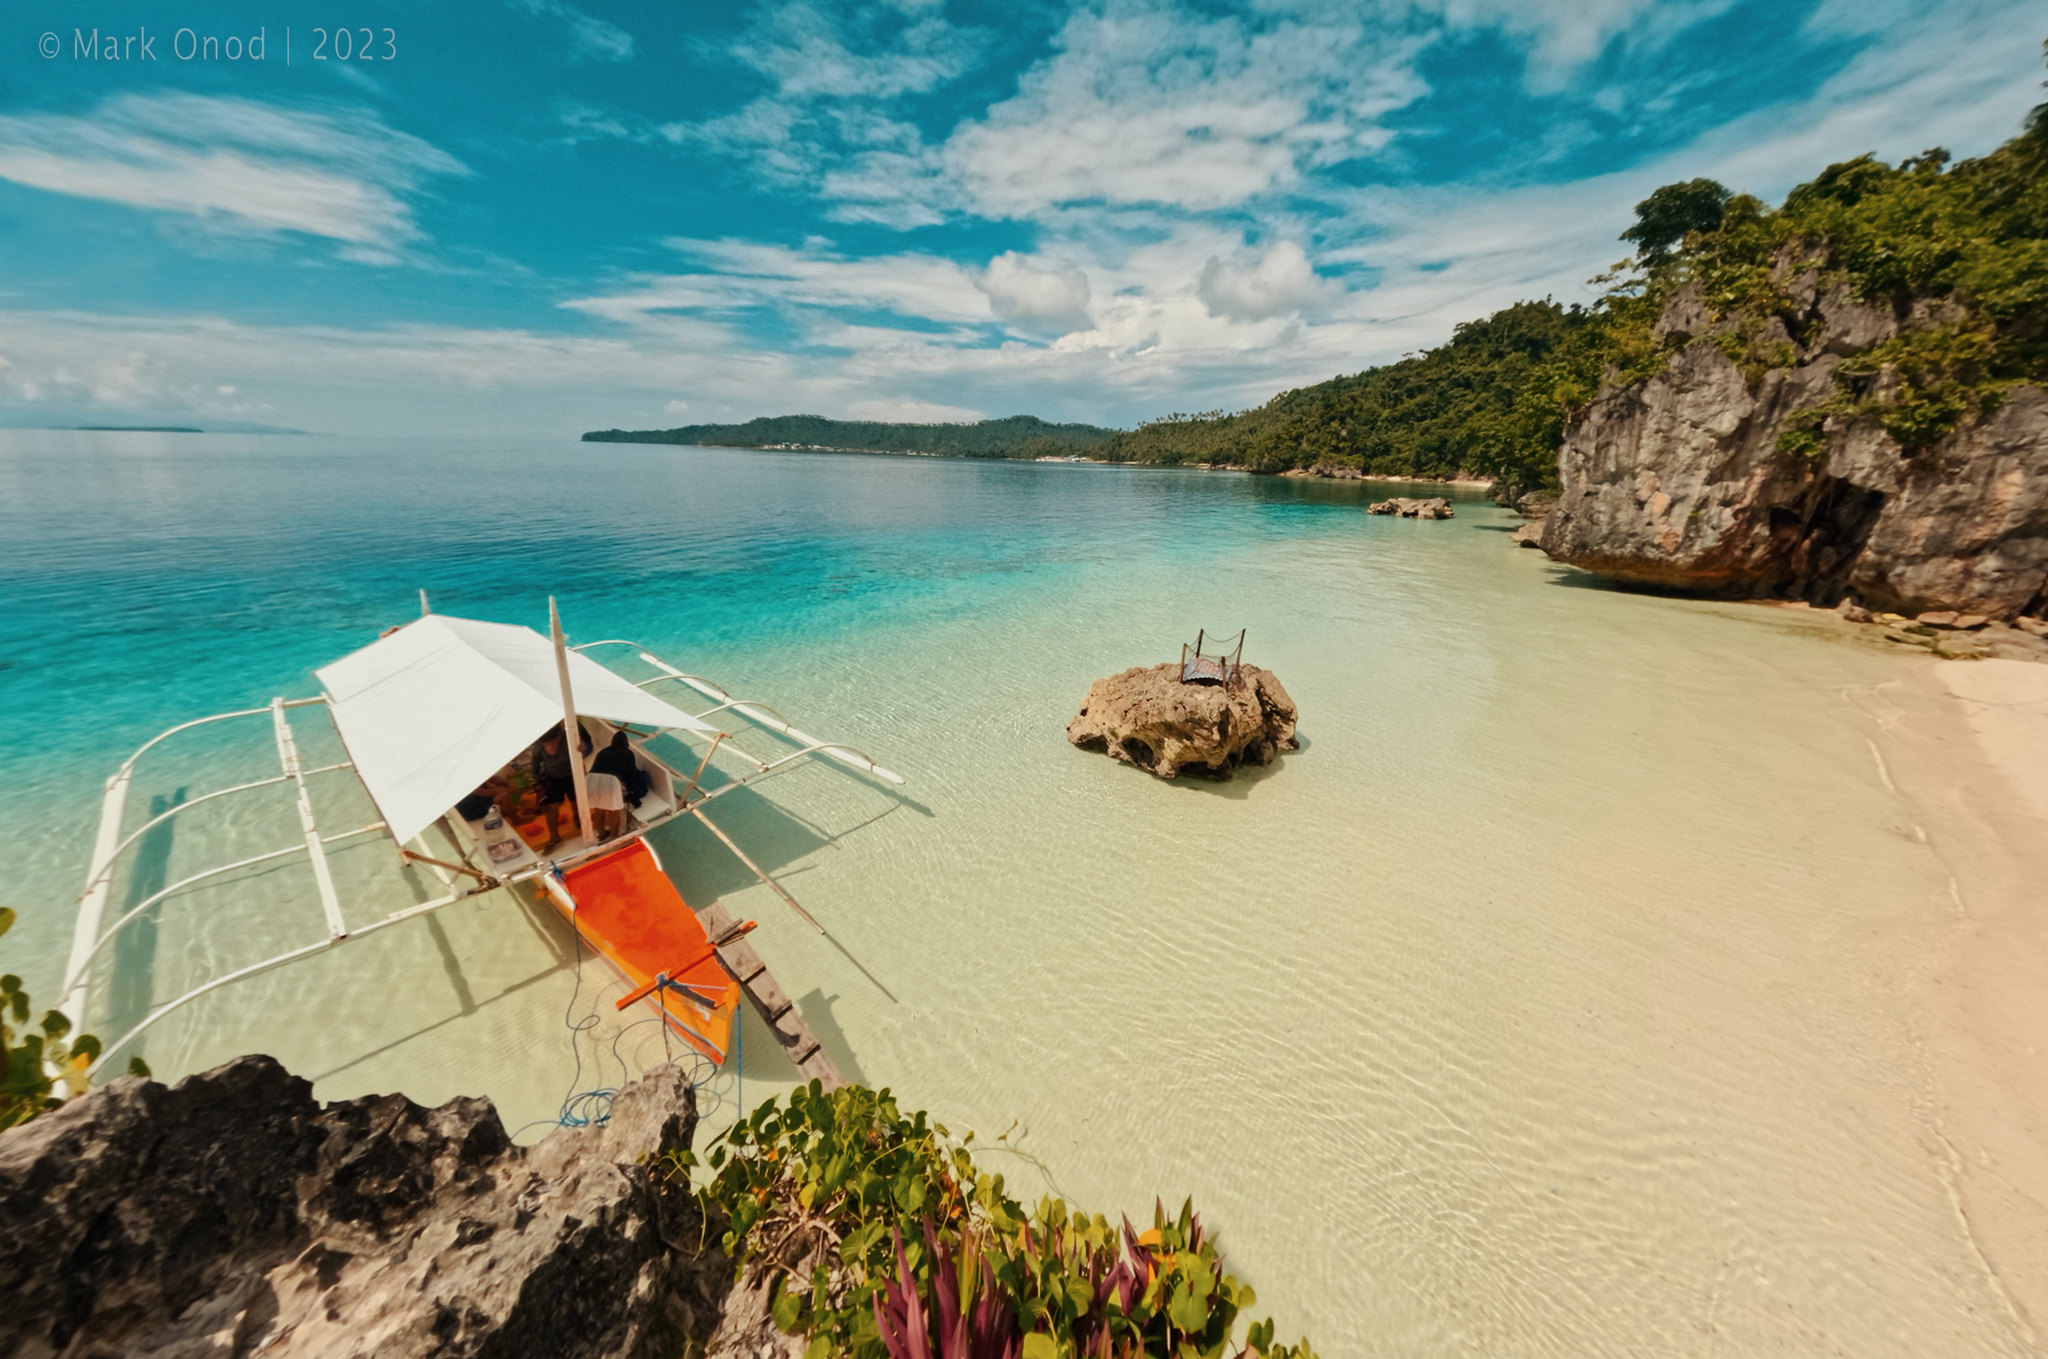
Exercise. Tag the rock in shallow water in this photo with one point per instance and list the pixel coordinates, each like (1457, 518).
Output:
(1147, 717)
(1407, 507)
(231, 1214)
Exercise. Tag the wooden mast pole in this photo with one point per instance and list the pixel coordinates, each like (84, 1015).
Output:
(572, 735)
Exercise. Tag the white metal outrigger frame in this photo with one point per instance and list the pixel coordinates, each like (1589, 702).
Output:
(89, 940)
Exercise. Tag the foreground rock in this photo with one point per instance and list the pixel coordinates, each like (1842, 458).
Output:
(1680, 481)
(231, 1214)
(1148, 718)
(1408, 507)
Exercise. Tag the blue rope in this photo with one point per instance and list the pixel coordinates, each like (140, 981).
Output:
(581, 1108)
(584, 1108)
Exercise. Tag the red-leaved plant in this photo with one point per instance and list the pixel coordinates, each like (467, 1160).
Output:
(974, 1320)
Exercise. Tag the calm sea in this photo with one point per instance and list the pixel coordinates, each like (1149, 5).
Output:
(1542, 1004)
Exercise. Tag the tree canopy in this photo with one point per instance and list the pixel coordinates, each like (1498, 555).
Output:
(1667, 216)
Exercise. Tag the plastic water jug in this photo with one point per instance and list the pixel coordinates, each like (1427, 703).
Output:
(499, 843)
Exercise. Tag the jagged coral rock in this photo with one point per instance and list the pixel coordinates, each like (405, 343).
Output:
(231, 1214)
(1409, 507)
(1147, 717)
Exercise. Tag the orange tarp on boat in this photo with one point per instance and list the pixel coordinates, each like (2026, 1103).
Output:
(628, 911)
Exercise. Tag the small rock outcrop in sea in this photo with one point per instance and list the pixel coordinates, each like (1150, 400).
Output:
(1434, 507)
(1681, 481)
(1535, 508)
(1149, 718)
(231, 1214)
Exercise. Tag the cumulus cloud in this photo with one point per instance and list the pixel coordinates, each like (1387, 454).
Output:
(1034, 296)
(236, 164)
(1274, 283)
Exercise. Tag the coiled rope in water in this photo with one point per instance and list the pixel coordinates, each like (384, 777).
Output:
(585, 1108)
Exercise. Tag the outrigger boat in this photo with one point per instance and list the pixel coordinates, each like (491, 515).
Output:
(431, 711)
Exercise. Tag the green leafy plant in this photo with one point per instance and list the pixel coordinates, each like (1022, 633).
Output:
(886, 1240)
(40, 1067)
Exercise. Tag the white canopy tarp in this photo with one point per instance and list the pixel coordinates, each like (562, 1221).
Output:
(434, 709)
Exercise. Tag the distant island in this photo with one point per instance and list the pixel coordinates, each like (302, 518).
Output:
(61, 423)
(1018, 436)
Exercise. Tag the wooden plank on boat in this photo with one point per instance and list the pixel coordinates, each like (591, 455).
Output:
(770, 1001)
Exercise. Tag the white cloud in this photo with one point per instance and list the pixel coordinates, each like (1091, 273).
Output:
(744, 274)
(1034, 296)
(1279, 281)
(675, 407)
(809, 50)
(589, 38)
(1561, 38)
(232, 163)
(1145, 102)
(891, 188)
(835, 69)
(914, 412)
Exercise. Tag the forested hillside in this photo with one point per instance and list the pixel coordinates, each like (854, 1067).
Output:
(1018, 436)
(1492, 402)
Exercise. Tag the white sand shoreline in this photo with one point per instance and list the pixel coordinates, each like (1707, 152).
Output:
(1979, 795)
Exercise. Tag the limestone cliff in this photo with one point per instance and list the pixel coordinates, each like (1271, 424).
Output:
(1687, 480)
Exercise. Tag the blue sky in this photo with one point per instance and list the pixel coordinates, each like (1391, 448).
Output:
(528, 216)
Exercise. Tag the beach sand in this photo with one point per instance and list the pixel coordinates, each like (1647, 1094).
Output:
(1975, 791)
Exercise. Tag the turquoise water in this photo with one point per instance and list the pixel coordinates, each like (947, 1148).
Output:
(1546, 1002)
(151, 578)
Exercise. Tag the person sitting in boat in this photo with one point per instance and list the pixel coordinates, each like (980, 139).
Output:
(554, 783)
(495, 791)
(617, 760)
(607, 803)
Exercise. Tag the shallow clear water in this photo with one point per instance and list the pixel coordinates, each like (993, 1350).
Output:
(1544, 1003)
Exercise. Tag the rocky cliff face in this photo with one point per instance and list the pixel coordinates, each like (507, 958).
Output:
(230, 1214)
(1679, 481)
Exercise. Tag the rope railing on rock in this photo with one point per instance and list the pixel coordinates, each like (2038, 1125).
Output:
(1202, 668)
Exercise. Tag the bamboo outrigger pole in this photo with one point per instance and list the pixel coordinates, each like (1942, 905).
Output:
(572, 733)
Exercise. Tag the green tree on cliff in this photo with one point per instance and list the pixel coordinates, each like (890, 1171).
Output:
(1669, 215)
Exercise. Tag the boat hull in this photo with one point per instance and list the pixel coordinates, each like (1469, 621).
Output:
(625, 910)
